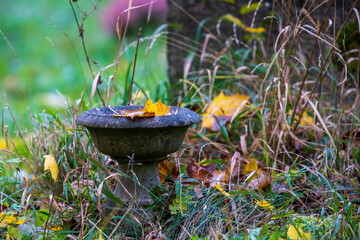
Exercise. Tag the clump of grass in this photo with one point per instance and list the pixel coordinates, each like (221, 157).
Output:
(302, 128)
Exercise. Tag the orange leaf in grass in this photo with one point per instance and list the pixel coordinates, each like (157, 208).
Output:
(167, 170)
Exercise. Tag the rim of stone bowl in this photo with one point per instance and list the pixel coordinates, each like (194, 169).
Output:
(103, 118)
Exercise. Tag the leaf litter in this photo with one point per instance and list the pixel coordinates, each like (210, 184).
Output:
(149, 110)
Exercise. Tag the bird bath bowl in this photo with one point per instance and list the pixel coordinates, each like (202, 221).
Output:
(148, 139)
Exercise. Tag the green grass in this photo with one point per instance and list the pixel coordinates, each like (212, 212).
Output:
(42, 56)
(311, 169)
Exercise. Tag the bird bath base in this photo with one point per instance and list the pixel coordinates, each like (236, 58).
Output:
(138, 181)
(144, 140)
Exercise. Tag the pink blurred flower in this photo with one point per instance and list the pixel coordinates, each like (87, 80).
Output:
(152, 8)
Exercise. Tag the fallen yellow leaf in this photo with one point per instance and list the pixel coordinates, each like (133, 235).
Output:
(222, 190)
(207, 121)
(256, 177)
(306, 119)
(223, 107)
(240, 24)
(50, 164)
(3, 143)
(264, 204)
(227, 105)
(293, 233)
(56, 228)
(7, 218)
(10, 143)
(251, 167)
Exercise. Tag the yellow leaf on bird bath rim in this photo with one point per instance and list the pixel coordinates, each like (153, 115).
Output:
(50, 164)
(159, 109)
(150, 110)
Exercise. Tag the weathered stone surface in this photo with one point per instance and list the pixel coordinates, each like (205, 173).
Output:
(103, 118)
(148, 138)
(138, 181)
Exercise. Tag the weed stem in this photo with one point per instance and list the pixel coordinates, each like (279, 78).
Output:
(133, 72)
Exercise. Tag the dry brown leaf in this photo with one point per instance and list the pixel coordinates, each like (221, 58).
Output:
(354, 135)
(45, 204)
(218, 177)
(207, 174)
(198, 172)
(198, 192)
(260, 182)
(155, 236)
(167, 169)
(78, 186)
(234, 162)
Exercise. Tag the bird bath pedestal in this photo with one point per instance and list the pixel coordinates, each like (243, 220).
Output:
(148, 139)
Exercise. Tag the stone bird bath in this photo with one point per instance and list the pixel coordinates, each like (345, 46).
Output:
(148, 139)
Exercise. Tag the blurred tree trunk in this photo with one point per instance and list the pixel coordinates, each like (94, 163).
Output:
(186, 38)
(186, 16)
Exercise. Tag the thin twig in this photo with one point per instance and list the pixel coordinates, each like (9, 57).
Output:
(81, 34)
(119, 32)
(307, 71)
(17, 126)
(321, 73)
(133, 72)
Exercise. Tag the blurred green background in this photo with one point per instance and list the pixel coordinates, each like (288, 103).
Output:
(43, 61)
